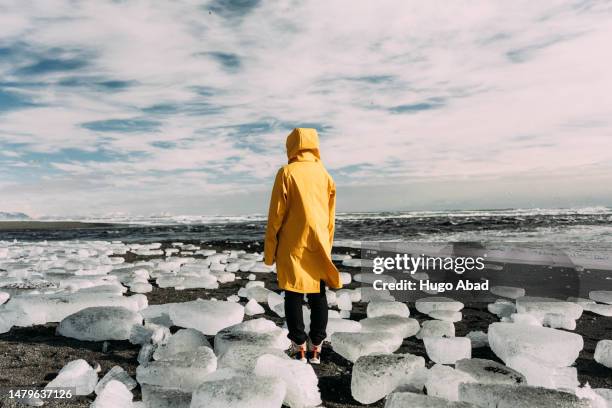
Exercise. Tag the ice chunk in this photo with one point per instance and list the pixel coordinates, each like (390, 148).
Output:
(276, 303)
(155, 311)
(205, 315)
(436, 328)
(37, 309)
(403, 326)
(183, 371)
(606, 394)
(141, 301)
(443, 381)
(586, 392)
(581, 301)
(447, 350)
(429, 304)
(554, 347)
(255, 283)
(76, 374)
(603, 353)
(241, 392)
(259, 293)
(260, 267)
(357, 263)
(217, 258)
(540, 306)
(369, 294)
(346, 278)
(245, 266)
(355, 294)
(525, 318)
(232, 267)
(539, 373)
(204, 281)
(344, 301)
(502, 308)
(150, 332)
(100, 323)
(381, 308)
(253, 308)
(602, 310)
(372, 277)
(4, 296)
(489, 371)
(559, 321)
(335, 324)
(410, 399)
(169, 281)
(331, 297)
(354, 345)
(223, 277)
(419, 276)
(116, 374)
(300, 380)
(114, 395)
(141, 287)
(376, 375)
(242, 357)
(257, 332)
(335, 314)
(446, 315)
(601, 296)
(146, 353)
(274, 300)
(508, 291)
(478, 339)
(8, 318)
(524, 396)
(184, 340)
(340, 257)
(161, 397)
(222, 374)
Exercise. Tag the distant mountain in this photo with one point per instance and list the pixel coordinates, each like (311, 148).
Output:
(13, 216)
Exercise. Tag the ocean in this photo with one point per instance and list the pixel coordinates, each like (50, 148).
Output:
(583, 225)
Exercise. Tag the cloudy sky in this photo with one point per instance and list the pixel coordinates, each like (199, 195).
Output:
(183, 106)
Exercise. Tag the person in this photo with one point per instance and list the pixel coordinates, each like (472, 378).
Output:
(299, 237)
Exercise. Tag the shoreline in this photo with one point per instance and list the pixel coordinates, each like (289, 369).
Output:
(28, 225)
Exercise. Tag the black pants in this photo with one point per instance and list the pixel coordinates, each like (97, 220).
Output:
(295, 318)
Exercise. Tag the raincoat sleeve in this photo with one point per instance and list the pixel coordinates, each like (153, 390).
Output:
(332, 212)
(276, 213)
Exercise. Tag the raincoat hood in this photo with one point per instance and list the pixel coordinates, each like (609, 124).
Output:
(301, 140)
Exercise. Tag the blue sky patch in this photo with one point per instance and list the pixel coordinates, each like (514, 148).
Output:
(123, 125)
(12, 101)
(51, 65)
(232, 8)
(230, 62)
(416, 107)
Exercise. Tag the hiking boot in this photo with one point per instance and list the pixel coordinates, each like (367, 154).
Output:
(315, 354)
(298, 351)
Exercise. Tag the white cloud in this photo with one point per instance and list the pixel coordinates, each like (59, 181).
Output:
(513, 88)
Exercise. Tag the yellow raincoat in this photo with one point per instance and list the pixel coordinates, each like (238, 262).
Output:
(300, 227)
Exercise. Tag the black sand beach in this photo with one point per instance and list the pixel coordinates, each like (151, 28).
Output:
(32, 356)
